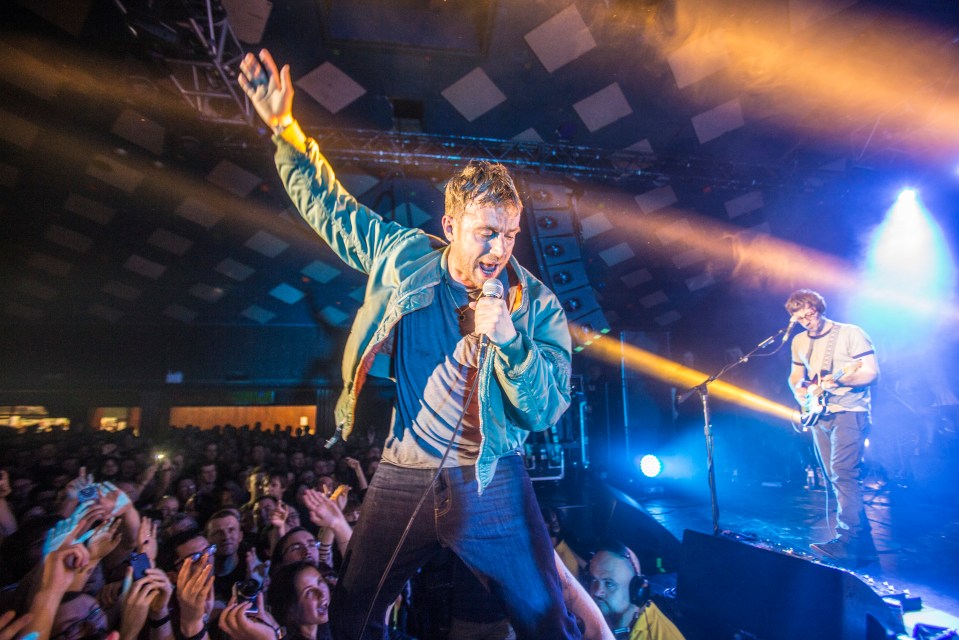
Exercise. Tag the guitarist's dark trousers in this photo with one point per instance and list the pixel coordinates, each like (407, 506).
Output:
(841, 440)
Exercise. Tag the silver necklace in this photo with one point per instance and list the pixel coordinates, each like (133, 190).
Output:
(460, 312)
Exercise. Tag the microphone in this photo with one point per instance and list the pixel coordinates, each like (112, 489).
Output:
(492, 288)
(789, 328)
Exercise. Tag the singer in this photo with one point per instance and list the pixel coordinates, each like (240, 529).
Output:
(460, 421)
(833, 366)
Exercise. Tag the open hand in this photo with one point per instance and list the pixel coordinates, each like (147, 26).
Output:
(270, 90)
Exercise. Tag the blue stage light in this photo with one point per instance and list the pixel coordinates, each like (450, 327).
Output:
(650, 465)
(908, 273)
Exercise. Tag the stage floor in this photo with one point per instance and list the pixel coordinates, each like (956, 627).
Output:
(916, 529)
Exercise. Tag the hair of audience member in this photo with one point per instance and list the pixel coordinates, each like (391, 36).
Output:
(177, 523)
(276, 560)
(166, 557)
(224, 513)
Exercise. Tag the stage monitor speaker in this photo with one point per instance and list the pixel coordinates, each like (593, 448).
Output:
(626, 520)
(729, 588)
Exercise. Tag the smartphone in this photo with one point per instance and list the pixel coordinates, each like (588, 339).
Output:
(246, 591)
(140, 563)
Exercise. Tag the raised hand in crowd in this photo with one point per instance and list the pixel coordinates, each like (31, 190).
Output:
(11, 626)
(79, 490)
(194, 592)
(117, 504)
(240, 625)
(114, 500)
(279, 517)
(357, 468)
(72, 530)
(326, 514)
(104, 539)
(61, 567)
(147, 599)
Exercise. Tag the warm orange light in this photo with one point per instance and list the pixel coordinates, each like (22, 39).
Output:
(644, 362)
(864, 77)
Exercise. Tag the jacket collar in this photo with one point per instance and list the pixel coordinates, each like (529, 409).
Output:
(428, 272)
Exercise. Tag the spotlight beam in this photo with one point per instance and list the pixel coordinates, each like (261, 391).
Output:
(673, 373)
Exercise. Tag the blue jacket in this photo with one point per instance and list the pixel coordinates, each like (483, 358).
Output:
(524, 386)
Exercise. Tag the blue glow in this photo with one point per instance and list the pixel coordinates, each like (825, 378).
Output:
(650, 465)
(909, 273)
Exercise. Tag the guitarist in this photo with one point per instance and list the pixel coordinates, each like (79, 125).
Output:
(821, 353)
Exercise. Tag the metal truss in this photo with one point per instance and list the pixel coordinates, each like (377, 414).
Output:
(434, 153)
(207, 78)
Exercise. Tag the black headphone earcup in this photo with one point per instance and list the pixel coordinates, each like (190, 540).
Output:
(638, 590)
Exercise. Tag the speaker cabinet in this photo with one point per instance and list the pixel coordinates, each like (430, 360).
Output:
(727, 587)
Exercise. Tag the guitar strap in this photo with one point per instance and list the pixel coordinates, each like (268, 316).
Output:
(826, 367)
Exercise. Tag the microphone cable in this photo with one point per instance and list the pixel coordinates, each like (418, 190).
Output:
(409, 525)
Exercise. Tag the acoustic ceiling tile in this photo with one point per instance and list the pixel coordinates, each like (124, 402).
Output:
(236, 270)
(711, 124)
(68, 238)
(331, 87)
(233, 178)
(474, 94)
(169, 241)
(144, 267)
(267, 244)
(286, 293)
(258, 314)
(604, 107)
(561, 39)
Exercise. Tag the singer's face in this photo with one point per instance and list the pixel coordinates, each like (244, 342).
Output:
(481, 243)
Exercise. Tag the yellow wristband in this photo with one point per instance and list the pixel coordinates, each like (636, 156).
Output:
(282, 124)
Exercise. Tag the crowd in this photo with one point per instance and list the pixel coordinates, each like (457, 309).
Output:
(235, 532)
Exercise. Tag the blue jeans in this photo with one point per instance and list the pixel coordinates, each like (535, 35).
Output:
(500, 535)
(841, 441)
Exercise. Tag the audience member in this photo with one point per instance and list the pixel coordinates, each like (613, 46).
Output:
(622, 594)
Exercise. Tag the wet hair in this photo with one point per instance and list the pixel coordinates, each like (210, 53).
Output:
(805, 297)
(481, 183)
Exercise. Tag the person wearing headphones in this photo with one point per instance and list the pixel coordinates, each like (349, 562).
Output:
(621, 592)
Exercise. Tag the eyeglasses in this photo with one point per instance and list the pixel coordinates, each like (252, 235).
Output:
(75, 628)
(299, 547)
(195, 557)
(805, 314)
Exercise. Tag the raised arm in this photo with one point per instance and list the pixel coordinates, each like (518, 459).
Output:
(271, 93)
(355, 233)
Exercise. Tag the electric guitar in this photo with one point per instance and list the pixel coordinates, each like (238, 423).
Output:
(813, 406)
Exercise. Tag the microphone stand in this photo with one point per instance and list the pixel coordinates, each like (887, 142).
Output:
(703, 390)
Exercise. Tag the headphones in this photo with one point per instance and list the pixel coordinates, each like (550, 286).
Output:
(638, 585)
